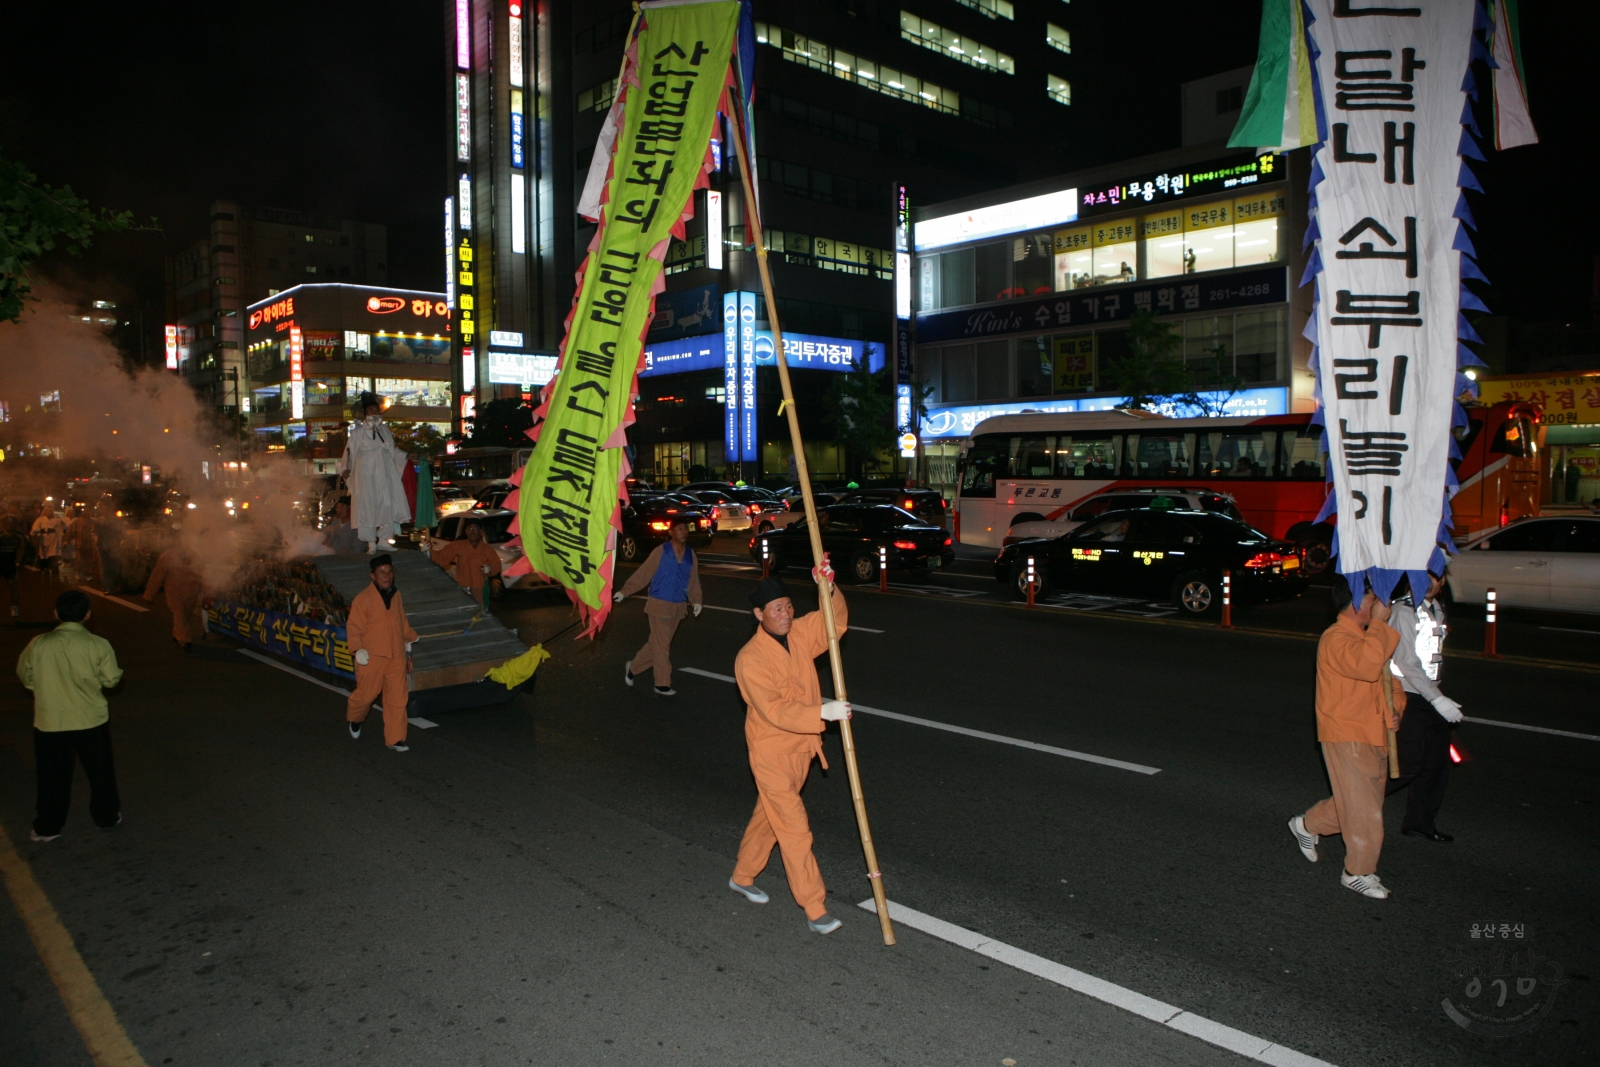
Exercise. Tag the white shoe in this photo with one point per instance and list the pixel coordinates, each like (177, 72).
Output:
(627, 673)
(1367, 885)
(399, 746)
(827, 924)
(1305, 838)
(753, 894)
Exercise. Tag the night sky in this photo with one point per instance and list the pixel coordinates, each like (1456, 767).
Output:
(340, 109)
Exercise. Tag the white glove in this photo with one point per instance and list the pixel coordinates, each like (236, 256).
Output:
(408, 647)
(484, 568)
(618, 598)
(1449, 709)
(834, 710)
(696, 609)
(362, 657)
(824, 571)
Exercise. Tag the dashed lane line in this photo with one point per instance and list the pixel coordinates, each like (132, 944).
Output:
(746, 611)
(1214, 1033)
(130, 605)
(108, 1043)
(983, 735)
(286, 669)
(1533, 729)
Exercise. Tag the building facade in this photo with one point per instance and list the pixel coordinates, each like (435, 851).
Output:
(312, 350)
(249, 255)
(1023, 297)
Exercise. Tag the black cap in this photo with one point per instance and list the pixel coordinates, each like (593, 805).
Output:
(380, 560)
(368, 400)
(766, 591)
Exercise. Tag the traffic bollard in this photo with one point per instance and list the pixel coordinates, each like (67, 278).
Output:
(1033, 581)
(883, 568)
(1489, 626)
(766, 559)
(1227, 600)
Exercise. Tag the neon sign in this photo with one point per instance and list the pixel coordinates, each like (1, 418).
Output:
(516, 129)
(514, 37)
(172, 348)
(463, 117)
(463, 34)
(1149, 557)
(385, 305)
(464, 200)
(1089, 555)
(282, 309)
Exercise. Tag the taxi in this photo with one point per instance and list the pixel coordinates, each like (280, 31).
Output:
(1176, 556)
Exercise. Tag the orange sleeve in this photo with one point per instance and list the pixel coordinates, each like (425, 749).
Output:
(763, 680)
(1363, 657)
(447, 555)
(812, 634)
(491, 558)
(355, 628)
(407, 633)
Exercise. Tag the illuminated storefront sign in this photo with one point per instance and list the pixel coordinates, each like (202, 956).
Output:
(463, 117)
(172, 347)
(514, 37)
(280, 309)
(297, 374)
(902, 407)
(803, 351)
(958, 420)
(520, 368)
(464, 34)
(713, 230)
(469, 372)
(1036, 212)
(505, 338)
(516, 129)
(902, 254)
(730, 374)
(464, 200)
(519, 215)
(748, 446)
(1210, 177)
(450, 251)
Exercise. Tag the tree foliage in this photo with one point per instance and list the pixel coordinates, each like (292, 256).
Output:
(502, 423)
(36, 218)
(418, 438)
(859, 409)
(1153, 373)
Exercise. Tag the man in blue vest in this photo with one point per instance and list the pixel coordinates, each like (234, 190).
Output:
(672, 572)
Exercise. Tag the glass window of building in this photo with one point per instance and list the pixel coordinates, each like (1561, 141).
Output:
(1058, 89)
(1033, 265)
(1255, 228)
(1260, 341)
(993, 370)
(324, 390)
(1208, 347)
(1076, 364)
(1116, 251)
(1208, 237)
(992, 268)
(960, 379)
(354, 387)
(930, 371)
(989, 8)
(1163, 243)
(947, 42)
(1074, 258)
(409, 392)
(1035, 367)
(1057, 38)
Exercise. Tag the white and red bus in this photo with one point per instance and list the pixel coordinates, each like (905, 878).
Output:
(1022, 468)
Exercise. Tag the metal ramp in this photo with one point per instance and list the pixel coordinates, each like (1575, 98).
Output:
(460, 641)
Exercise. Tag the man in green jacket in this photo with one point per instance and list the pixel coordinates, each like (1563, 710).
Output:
(67, 669)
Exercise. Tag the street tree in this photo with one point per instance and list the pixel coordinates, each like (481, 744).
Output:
(1153, 374)
(502, 423)
(35, 219)
(859, 409)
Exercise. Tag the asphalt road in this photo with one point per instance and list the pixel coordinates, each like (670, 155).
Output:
(545, 881)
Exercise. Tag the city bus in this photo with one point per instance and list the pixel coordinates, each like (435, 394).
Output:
(1023, 468)
(473, 469)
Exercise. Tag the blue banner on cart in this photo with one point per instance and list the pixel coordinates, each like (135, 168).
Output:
(318, 645)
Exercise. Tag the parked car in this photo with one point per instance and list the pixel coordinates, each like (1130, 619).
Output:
(1532, 563)
(449, 499)
(852, 534)
(1030, 525)
(1176, 556)
(647, 523)
(929, 505)
(496, 525)
(731, 514)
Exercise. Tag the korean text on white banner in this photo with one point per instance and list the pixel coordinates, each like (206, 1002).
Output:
(653, 155)
(1392, 87)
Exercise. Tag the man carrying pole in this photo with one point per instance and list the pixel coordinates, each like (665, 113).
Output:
(784, 719)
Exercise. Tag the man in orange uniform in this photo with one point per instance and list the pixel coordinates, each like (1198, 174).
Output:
(1353, 720)
(380, 639)
(475, 562)
(177, 571)
(783, 727)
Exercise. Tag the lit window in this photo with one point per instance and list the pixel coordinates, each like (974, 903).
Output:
(989, 8)
(310, 239)
(1058, 89)
(599, 97)
(1057, 38)
(936, 38)
(864, 72)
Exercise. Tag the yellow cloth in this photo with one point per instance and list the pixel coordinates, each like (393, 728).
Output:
(513, 672)
(66, 669)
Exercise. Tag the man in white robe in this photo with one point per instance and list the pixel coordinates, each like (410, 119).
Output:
(371, 465)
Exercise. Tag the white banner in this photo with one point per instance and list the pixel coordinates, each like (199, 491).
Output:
(1389, 75)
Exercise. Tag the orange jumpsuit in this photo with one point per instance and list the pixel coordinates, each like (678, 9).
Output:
(783, 728)
(469, 563)
(384, 632)
(178, 573)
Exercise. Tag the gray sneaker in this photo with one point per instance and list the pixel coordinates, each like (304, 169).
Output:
(753, 894)
(825, 924)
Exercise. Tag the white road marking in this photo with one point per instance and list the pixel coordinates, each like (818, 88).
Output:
(285, 668)
(1533, 729)
(931, 590)
(863, 629)
(983, 735)
(1168, 1015)
(421, 723)
(114, 599)
(1569, 630)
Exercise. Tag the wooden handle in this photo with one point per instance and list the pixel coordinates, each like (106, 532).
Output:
(1388, 698)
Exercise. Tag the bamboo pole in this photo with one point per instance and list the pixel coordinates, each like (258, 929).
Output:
(825, 590)
(1388, 698)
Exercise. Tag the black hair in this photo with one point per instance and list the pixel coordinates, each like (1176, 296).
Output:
(382, 559)
(345, 500)
(72, 606)
(1339, 593)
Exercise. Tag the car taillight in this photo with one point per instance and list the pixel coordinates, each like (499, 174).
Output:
(947, 541)
(705, 523)
(755, 509)
(909, 546)
(667, 526)
(909, 504)
(1263, 560)
(716, 513)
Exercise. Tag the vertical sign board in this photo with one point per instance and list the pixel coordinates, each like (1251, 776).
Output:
(297, 374)
(1390, 94)
(450, 251)
(748, 448)
(172, 347)
(514, 40)
(713, 230)
(730, 376)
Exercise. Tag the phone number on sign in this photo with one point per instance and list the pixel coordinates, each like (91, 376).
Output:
(1246, 290)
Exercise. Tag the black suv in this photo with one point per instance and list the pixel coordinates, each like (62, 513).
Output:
(647, 522)
(926, 504)
(852, 535)
(1158, 555)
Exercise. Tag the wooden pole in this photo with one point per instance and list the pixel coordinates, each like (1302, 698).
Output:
(824, 587)
(1388, 698)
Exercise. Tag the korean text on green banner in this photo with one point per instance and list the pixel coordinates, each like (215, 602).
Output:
(568, 506)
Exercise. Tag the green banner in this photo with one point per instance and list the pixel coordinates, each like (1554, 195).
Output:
(672, 83)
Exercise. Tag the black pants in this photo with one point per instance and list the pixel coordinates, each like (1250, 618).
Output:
(1424, 763)
(54, 752)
